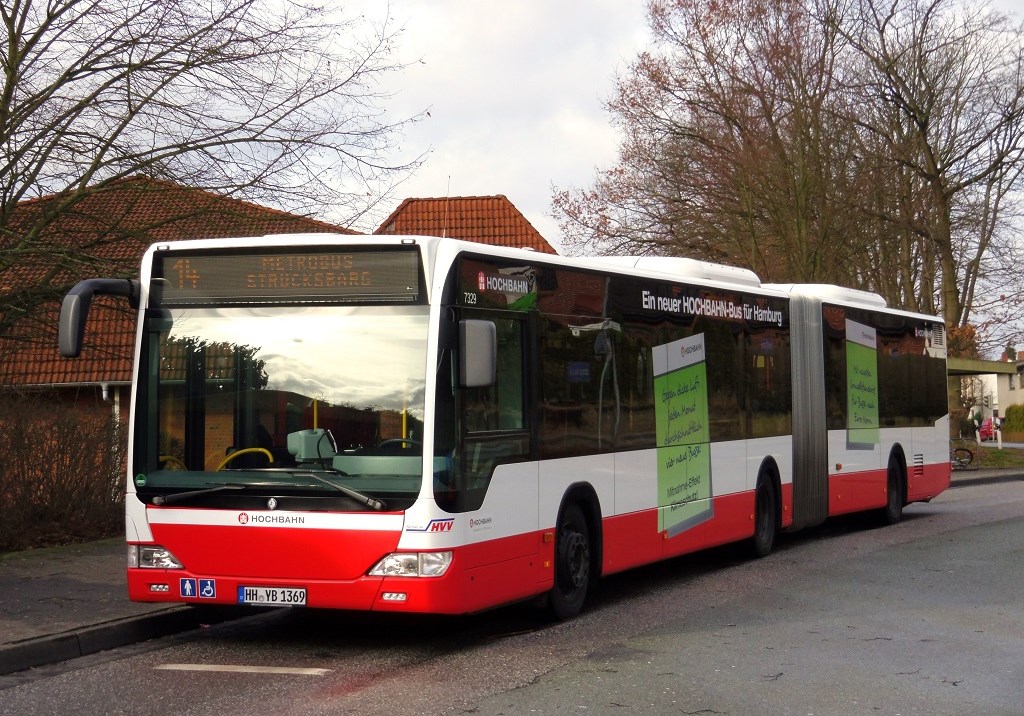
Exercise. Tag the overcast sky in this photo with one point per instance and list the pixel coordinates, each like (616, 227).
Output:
(514, 91)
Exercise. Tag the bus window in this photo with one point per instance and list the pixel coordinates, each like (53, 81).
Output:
(769, 409)
(500, 406)
(580, 390)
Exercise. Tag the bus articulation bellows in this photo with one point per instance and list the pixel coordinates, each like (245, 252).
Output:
(429, 425)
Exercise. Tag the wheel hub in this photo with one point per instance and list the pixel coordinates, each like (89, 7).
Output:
(577, 562)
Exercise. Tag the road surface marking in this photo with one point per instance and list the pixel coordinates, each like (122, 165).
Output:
(240, 669)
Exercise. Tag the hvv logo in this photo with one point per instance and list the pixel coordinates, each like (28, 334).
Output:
(445, 525)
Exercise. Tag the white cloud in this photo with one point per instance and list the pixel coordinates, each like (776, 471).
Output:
(515, 93)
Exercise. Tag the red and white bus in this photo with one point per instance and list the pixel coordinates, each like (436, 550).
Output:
(428, 425)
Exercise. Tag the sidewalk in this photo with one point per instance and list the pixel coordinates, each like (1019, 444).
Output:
(60, 603)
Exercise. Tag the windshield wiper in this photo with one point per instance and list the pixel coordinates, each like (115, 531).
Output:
(359, 497)
(182, 496)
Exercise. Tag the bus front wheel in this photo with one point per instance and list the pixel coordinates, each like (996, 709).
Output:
(572, 564)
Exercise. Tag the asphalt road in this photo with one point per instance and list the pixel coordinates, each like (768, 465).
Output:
(920, 618)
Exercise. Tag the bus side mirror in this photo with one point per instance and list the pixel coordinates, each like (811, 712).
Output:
(478, 349)
(74, 311)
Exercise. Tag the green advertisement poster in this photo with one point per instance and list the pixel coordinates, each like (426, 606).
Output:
(681, 422)
(861, 384)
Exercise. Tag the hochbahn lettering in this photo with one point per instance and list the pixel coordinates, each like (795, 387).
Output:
(244, 518)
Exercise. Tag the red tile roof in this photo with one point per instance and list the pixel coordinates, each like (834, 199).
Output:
(115, 226)
(486, 219)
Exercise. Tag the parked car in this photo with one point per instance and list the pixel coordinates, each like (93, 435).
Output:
(987, 431)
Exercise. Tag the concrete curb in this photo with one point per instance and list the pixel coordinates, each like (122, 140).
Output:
(984, 476)
(40, 651)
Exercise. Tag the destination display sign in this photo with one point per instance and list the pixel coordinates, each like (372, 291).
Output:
(296, 277)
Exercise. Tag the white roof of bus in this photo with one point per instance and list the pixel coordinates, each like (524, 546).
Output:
(829, 292)
(670, 267)
(679, 267)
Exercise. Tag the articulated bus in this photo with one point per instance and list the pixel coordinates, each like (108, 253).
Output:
(430, 425)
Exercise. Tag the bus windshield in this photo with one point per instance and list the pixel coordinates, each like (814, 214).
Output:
(280, 400)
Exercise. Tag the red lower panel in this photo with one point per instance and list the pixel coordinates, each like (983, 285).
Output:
(733, 520)
(460, 591)
(632, 540)
(355, 594)
(787, 505)
(332, 565)
(275, 552)
(463, 591)
(928, 482)
(868, 490)
(856, 492)
(485, 576)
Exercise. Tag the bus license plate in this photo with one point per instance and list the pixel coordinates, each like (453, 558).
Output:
(272, 596)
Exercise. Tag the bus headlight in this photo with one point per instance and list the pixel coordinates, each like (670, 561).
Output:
(152, 557)
(413, 564)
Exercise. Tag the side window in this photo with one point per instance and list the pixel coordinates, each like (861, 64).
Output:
(500, 406)
(636, 381)
(724, 370)
(580, 394)
(833, 348)
(769, 396)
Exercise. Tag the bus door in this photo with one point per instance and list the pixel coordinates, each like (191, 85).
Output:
(480, 429)
(495, 426)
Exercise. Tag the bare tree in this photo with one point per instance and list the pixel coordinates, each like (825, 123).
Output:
(729, 152)
(940, 84)
(273, 102)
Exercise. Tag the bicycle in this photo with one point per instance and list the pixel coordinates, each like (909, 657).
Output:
(960, 457)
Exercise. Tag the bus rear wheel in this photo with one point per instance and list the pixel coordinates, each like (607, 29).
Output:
(893, 510)
(766, 518)
(572, 564)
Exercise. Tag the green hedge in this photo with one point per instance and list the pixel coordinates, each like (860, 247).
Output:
(1013, 421)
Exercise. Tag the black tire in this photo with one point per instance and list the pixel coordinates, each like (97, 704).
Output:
(572, 564)
(766, 518)
(892, 513)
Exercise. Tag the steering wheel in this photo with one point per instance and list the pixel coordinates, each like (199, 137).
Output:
(244, 451)
(400, 441)
(173, 461)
